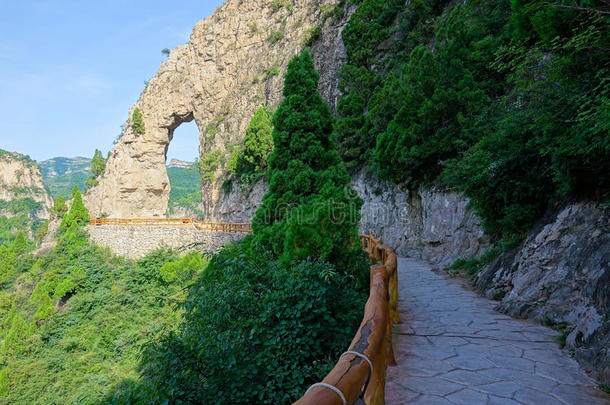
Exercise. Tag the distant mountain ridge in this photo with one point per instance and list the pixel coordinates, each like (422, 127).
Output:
(180, 163)
(62, 173)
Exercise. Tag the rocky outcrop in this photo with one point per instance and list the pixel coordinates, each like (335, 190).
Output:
(561, 274)
(20, 178)
(137, 241)
(233, 63)
(240, 203)
(430, 224)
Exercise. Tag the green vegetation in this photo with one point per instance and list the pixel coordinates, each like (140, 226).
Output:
(62, 174)
(278, 4)
(248, 162)
(308, 181)
(14, 156)
(60, 208)
(208, 164)
(137, 122)
(505, 101)
(25, 206)
(78, 215)
(98, 167)
(265, 319)
(185, 190)
(275, 36)
(22, 212)
(72, 322)
(312, 35)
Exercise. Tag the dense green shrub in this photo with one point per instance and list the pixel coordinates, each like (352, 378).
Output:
(443, 92)
(137, 122)
(255, 331)
(183, 269)
(60, 208)
(309, 211)
(78, 215)
(508, 100)
(72, 321)
(250, 160)
(208, 164)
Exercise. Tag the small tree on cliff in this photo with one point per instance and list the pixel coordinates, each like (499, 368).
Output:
(258, 143)
(98, 166)
(137, 122)
(78, 215)
(309, 211)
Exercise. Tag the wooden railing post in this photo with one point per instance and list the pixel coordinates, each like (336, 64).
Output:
(373, 339)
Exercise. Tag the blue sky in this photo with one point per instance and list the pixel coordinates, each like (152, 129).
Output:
(70, 70)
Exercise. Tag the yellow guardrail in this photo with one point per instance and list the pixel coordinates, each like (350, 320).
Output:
(361, 371)
(240, 227)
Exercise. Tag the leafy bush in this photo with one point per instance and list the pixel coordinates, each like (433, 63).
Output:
(106, 308)
(255, 331)
(183, 269)
(505, 101)
(60, 208)
(208, 164)
(312, 35)
(137, 122)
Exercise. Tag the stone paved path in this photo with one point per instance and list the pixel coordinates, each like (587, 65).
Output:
(453, 348)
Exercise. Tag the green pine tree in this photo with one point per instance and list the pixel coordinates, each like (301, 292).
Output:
(98, 166)
(309, 211)
(78, 215)
(258, 142)
(60, 208)
(137, 123)
(20, 245)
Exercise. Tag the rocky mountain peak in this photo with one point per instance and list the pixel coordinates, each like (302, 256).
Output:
(20, 179)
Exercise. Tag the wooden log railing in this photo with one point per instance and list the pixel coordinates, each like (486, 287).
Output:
(352, 378)
(241, 227)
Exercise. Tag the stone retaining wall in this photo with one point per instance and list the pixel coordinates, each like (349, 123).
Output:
(136, 241)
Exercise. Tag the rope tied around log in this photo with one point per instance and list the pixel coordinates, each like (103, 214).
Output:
(330, 387)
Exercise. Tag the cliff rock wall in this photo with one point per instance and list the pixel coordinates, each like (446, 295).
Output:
(20, 178)
(431, 224)
(233, 64)
(561, 274)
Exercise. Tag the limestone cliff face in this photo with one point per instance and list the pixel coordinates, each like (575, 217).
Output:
(561, 273)
(20, 178)
(233, 64)
(431, 224)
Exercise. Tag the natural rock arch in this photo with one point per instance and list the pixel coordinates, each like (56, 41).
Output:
(232, 65)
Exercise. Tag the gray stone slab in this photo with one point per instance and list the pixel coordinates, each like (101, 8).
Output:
(467, 397)
(430, 385)
(531, 396)
(452, 347)
(468, 378)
